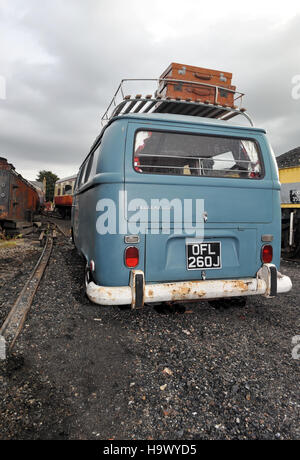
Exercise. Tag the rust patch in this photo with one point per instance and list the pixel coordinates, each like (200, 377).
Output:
(181, 291)
(185, 292)
(150, 293)
(3, 212)
(104, 291)
(229, 286)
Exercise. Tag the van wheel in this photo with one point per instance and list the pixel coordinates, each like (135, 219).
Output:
(228, 302)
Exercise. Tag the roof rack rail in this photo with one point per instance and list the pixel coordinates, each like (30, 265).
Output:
(122, 104)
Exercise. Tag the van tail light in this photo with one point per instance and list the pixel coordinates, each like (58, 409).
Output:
(131, 256)
(267, 254)
(136, 164)
(92, 266)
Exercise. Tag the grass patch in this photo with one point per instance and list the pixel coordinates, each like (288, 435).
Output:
(8, 244)
(12, 243)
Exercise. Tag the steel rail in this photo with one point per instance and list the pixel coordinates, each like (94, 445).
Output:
(15, 320)
(127, 100)
(182, 157)
(59, 228)
(159, 105)
(192, 167)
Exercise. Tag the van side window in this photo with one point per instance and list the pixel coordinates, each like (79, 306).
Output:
(81, 175)
(158, 152)
(95, 161)
(88, 167)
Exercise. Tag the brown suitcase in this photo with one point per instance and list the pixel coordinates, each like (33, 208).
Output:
(198, 87)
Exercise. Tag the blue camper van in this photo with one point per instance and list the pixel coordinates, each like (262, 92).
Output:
(175, 202)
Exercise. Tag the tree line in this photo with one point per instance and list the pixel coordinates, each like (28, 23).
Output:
(51, 178)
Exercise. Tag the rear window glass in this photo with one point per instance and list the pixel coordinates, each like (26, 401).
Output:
(196, 155)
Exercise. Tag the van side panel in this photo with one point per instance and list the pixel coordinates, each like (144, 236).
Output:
(106, 250)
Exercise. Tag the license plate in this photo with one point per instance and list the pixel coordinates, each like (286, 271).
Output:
(204, 256)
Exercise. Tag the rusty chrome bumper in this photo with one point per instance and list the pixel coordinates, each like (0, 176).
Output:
(268, 282)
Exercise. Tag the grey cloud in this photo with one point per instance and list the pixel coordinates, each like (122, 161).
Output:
(53, 109)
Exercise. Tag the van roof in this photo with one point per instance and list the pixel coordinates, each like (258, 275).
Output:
(175, 118)
(187, 119)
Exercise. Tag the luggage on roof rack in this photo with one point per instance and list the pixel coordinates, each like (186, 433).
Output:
(197, 82)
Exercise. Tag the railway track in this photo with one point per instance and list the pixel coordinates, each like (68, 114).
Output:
(53, 214)
(61, 225)
(65, 232)
(15, 320)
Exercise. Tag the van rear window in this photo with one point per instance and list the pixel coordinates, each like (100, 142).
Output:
(157, 152)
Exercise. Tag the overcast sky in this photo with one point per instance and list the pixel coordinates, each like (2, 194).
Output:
(62, 60)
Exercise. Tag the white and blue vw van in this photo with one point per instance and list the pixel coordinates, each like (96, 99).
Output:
(174, 202)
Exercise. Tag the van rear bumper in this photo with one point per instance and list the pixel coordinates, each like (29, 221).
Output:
(268, 282)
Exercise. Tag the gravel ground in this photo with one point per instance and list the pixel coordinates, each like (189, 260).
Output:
(80, 371)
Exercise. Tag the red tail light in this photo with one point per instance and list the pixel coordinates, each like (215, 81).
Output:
(267, 254)
(131, 256)
(136, 164)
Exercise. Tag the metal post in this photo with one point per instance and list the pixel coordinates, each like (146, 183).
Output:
(291, 238)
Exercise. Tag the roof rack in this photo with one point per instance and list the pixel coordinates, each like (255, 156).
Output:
(122, 105)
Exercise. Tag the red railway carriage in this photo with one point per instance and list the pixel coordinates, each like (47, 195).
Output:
(19, 199)
(63, 195)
